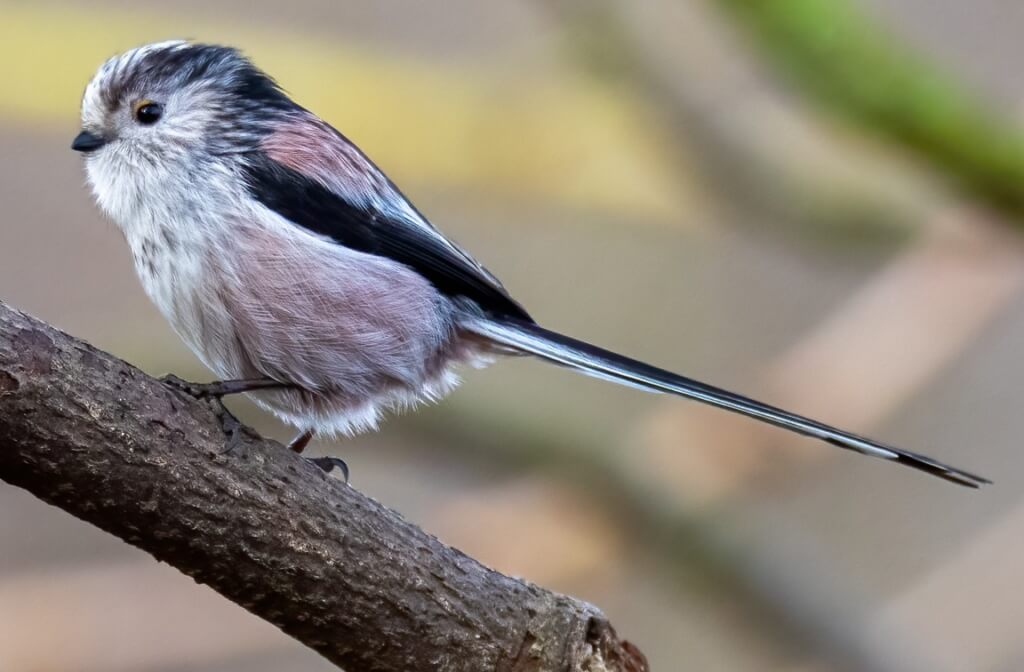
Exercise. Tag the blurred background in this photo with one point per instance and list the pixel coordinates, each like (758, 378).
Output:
(817, 202)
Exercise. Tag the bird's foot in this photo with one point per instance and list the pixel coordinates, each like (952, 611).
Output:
(220, 388)
(231, 426)
(212, 393)
(329, 464)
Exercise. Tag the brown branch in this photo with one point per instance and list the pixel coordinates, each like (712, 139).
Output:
(347, 577)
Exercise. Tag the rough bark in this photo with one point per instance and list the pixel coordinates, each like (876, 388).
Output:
(93, 435)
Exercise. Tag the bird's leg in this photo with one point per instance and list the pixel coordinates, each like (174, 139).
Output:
(300, 442)
(328, 464)
(221, 388)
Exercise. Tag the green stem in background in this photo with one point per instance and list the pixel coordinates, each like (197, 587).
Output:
(847, 61)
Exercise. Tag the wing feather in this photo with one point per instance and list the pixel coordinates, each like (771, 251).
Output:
(314, 177)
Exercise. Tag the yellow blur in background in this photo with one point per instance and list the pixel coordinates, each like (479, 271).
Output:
(664, 177)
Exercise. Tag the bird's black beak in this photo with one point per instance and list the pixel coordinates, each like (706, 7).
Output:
(87, 142)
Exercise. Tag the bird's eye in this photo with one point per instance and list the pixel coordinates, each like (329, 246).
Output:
(147, 112)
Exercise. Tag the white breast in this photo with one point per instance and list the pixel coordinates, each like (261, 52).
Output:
(170, 224)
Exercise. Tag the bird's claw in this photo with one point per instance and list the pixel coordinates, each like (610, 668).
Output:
(232, 429)
(329, 464)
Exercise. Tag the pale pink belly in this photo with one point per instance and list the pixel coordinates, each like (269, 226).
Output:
(357, 334)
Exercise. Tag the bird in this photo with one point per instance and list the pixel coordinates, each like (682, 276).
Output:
(301, 276)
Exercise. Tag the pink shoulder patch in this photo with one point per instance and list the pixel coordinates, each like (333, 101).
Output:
(311, 147)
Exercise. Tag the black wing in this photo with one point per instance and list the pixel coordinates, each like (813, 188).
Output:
(366, 228)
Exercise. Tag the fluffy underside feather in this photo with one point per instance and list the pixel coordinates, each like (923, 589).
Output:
(357, 334)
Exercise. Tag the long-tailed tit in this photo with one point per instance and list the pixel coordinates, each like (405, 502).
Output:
(295, 269)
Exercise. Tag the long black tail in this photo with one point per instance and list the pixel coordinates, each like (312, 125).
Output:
(589, 359)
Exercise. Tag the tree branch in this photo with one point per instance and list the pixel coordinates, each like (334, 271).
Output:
(93, 435)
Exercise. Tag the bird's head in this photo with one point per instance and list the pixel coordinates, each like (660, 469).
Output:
(173, 106)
